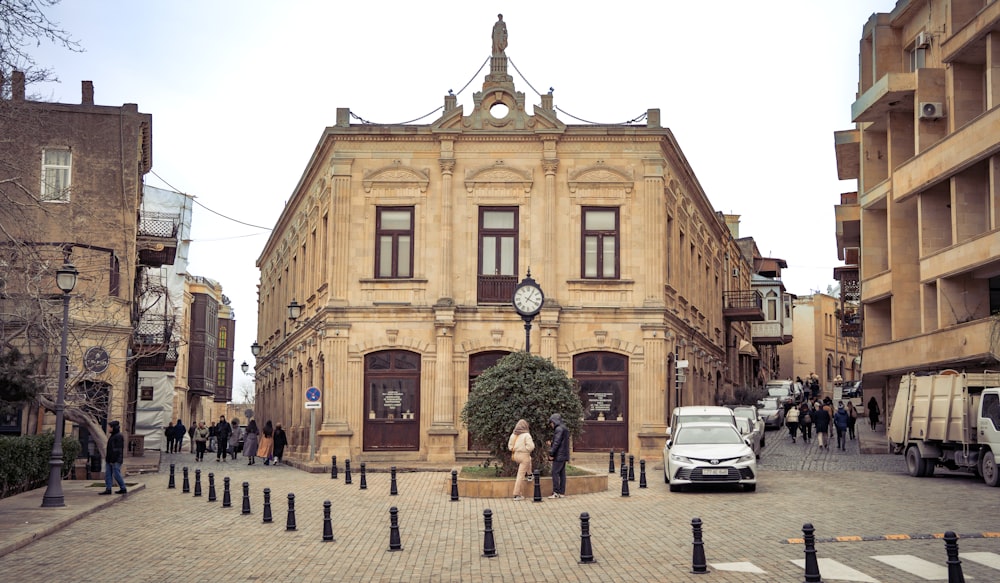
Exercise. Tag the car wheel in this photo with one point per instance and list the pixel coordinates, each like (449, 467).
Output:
(750, 487)
(914, 463)
(675, 487)
(989, 470)
(666, 480)
(928, 468)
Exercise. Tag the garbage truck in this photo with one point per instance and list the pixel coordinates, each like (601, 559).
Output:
(949, 419)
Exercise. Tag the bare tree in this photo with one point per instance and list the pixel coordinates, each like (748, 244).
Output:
(23, 24)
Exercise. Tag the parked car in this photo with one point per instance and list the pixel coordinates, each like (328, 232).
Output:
(772, 410)
(699, 413)
(756, 425)
(851, 390)
(709, 453)
(783, 389)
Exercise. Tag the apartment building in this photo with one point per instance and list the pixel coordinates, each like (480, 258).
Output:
(919, 237)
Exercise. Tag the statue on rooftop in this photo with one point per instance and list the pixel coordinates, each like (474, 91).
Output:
(499, 37)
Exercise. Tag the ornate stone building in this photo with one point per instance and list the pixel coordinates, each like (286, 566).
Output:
(402, 245)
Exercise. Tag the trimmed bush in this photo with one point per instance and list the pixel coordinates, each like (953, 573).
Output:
(24, 461)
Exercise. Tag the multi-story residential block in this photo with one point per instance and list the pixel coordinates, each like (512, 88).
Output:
(387, 282)
(920, 235)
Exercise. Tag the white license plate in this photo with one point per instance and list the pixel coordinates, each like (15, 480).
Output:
(715, 472)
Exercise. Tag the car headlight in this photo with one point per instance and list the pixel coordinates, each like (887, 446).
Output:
(748, 457)
(679, 458)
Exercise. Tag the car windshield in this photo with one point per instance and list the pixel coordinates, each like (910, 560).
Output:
(744, 413)
(770, 404)
(691, 435)
(701, 418)
(777, 392)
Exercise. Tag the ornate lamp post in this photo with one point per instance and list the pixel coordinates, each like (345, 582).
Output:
(527, 300)
(255, 349)
(294, 310)
(53, 498)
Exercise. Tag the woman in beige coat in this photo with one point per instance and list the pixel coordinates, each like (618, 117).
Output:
(521, 445)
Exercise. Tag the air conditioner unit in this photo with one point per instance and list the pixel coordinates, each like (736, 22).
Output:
(931, 110)
(922, 41)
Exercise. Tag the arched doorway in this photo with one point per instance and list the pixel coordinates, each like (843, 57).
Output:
(392, 401)
(603, 389)
(478, 363)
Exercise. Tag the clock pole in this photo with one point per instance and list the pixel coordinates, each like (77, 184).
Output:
(527, 300)
(527, 332)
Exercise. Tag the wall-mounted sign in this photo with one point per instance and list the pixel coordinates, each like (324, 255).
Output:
(96, 359)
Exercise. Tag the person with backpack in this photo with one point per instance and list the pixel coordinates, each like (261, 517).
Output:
(821, 419)
(805, 422)
(792, 421)
(852, 419)
(840, 419)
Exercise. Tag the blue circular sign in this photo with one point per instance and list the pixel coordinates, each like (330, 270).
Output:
(312, 394)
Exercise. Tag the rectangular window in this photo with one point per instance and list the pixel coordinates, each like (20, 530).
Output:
(497, 241)
(600, 243)
(394, 242)
(56, 166)
(220, 380)
(222, 337)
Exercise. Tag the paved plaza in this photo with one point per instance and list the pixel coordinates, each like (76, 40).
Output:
(160, 534)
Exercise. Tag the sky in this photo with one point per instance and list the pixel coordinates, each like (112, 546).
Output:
(241, 90)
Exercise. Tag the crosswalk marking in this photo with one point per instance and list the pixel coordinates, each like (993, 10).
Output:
(916, 566)
(987, 559)
(741, 566)
(831, 569)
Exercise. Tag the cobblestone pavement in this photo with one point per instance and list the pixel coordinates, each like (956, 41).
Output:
(161, 534)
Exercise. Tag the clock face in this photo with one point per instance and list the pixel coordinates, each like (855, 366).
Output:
(528, 299)
(96, 359)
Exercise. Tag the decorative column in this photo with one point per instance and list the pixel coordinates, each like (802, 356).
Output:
(654, 226)
(447, 163)
(547, 207)
(442, 433)
(340, 171)
(341, 389)
(650, 406)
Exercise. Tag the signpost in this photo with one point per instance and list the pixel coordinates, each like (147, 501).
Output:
(312, 403)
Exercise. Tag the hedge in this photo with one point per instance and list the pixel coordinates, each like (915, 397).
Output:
(24, 461)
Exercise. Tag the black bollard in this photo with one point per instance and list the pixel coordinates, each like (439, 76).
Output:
(812, 565)
(333, 469)
(347, 471)
(211, 487)
(698, 565)
(267, 506)
(246, 498)
(489, 546)
(611, 462)
(393, 490)
(586, 552)
(197, 483)
(186, 488)
(537, 474)
(290, 523)
(226, 501)
(394, 543)
(327, 525)
(624, 486)
(454, 485)
(642, 473)
(624, 471)
(631, 468)
(364, 480)
(171, 485)
(954, 565)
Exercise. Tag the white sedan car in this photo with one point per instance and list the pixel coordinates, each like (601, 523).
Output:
(709, 453)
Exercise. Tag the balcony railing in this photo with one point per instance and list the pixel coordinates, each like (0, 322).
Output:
(153, 343)
(743, 305)
(156, 237)
(496, 288)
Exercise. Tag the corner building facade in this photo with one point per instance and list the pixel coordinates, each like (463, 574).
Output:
(403, 245)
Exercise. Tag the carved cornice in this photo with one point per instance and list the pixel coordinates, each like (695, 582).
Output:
(498, 175)
(396, 176)
(601, 176)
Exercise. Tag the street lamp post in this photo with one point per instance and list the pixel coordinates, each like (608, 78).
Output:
(53, 498)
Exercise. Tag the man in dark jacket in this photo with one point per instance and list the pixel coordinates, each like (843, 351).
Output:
(559, 454)
(222, 433)
(113, 460)
(179, 431)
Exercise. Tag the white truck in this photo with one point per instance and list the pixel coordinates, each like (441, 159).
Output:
(950, 419)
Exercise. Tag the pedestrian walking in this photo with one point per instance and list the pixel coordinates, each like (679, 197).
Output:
(805, 422)
(821, 419)
(280, 441)
(222, 433)
(179, 432)
(200, 441)
(168, 432)
(113, 459)
(852, 419)
(521, 445)
(792, 422)
(873, 412)
(250, 441)
(265, 450)
(840, 419)
(559, 455)
(234, 438)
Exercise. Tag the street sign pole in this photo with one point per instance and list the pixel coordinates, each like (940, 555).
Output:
(312, 435)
